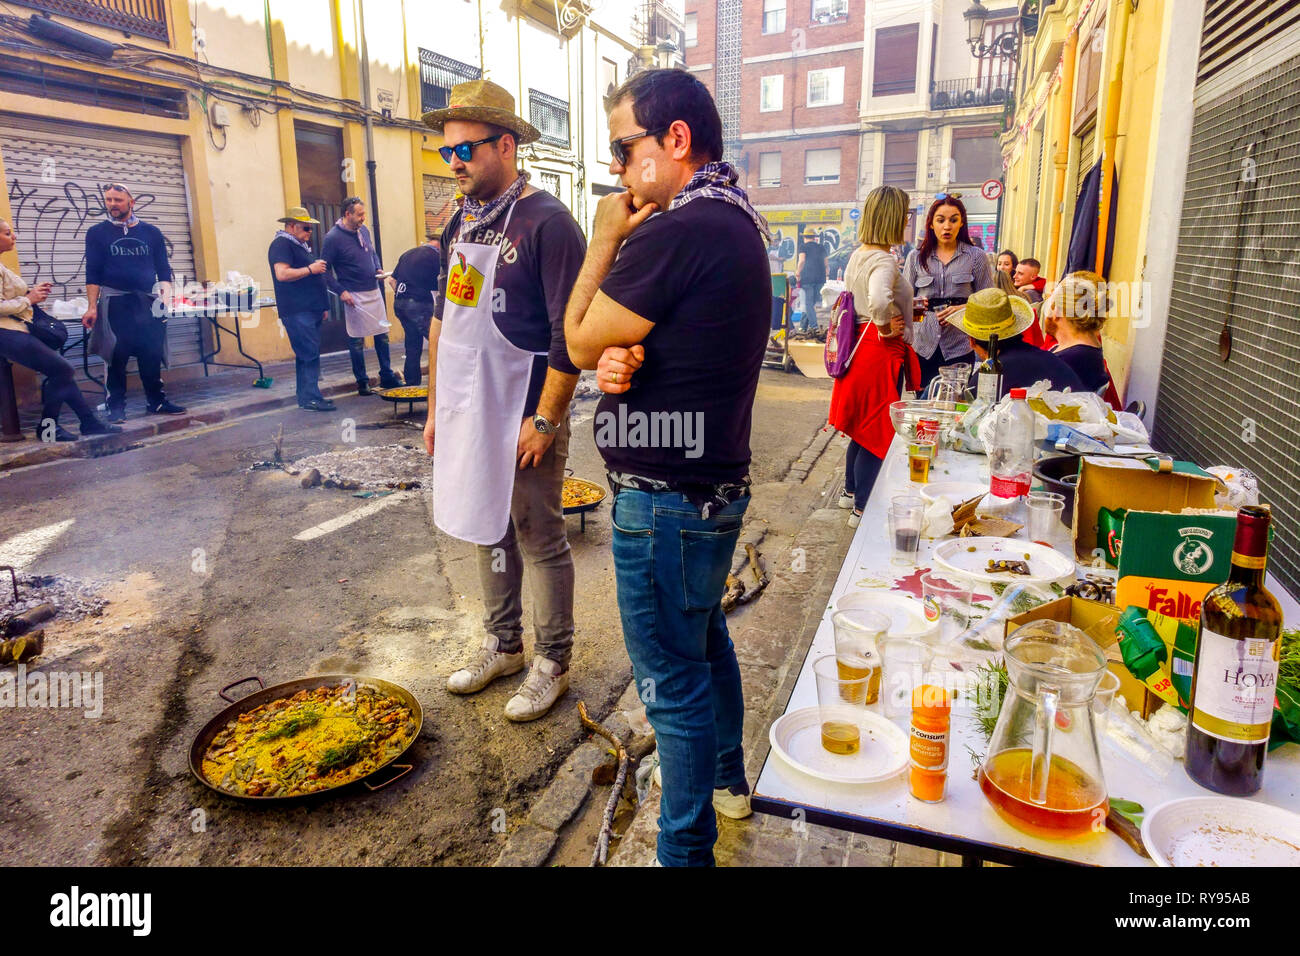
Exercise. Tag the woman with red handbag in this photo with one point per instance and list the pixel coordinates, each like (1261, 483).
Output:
(883, 358)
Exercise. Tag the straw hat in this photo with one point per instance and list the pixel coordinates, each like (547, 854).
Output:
(993, 312)
(482, 101)
(298, 214)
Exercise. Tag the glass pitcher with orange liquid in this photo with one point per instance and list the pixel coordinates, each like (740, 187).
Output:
(1043, 772)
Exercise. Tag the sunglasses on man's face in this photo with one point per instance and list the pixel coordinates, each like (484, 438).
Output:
(463, 151)
(618, 149)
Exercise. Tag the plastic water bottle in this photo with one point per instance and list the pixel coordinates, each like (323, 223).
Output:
(1011, 455)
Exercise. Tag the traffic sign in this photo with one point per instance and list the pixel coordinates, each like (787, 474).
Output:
(991, 190)
(855, 214)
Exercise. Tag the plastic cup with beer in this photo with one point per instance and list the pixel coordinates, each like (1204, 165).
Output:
(856, 632)
(841, 705)
(920, 455)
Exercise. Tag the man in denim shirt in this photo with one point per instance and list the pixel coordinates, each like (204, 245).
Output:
(682, 239)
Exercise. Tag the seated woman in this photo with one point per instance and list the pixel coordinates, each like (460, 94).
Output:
(992, 312)
(17, 344)
(1074, 315)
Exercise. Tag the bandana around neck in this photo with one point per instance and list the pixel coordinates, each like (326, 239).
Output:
(292, 238)
(476, 216)
(718, 181)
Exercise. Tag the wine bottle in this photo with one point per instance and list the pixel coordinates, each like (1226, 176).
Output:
(1234, 675)
(988, 377)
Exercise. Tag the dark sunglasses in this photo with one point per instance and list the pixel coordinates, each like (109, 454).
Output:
(464, 150)
(618, 150)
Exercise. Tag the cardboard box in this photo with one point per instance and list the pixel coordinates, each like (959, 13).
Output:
(1098, 621)
(1169, 562)
(1127, 483)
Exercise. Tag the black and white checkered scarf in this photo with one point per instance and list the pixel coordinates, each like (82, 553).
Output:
(718, 181)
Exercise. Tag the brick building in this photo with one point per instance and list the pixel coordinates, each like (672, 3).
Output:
(787, 76)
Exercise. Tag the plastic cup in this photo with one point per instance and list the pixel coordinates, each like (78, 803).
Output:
(1045, 525)
(905, 662)
(857, 631)
(946, 600)
(906, 514)
(920, 456)
(1106, 690)
(840, 704)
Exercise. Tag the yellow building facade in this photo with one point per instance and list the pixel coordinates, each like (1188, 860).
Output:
(1091, 84)
(219, 114)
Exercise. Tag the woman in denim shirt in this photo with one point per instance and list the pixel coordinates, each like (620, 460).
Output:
(947, 264)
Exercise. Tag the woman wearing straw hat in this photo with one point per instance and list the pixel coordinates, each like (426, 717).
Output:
(992, 312)
(302, 300)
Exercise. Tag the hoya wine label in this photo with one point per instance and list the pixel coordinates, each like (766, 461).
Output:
(1235, 687)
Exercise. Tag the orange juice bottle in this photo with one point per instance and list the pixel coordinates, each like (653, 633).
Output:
(929, 740)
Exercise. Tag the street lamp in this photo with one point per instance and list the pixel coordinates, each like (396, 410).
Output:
(1005, 45)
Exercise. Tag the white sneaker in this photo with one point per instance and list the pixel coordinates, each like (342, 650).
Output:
(846, 499)
(734, 805)
(542, 688)
(855, 519)
(487, 665)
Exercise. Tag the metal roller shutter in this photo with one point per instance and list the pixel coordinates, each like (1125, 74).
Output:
(1238, 259)
(56, 172)
(1087, 144)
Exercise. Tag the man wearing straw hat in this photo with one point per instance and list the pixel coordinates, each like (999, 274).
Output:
(992, 312)
(499, 391)
(302, 300)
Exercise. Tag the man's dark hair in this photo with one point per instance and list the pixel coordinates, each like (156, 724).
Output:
(1032, 262)
(661, 97)
(350, 202)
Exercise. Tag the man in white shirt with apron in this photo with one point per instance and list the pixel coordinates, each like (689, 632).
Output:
(501, 382)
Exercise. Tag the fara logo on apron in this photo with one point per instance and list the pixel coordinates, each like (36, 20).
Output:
(464, 283)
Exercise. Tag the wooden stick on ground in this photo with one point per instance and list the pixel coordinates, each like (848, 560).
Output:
(607, 824)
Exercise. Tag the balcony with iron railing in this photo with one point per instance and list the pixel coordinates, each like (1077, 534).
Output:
(143, 18)
(971, 93)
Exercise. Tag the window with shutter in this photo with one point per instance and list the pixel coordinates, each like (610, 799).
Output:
(976, 154)
(821, 166)
(769, 169)
(826, 87)
(1088, 82)
(900, 160)
(1085, 161)
(895, 60)
(773, 16)
(773, 93)
(1234, 27)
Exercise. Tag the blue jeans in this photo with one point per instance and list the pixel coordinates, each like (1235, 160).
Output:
(303, 329)
(671, 566)
(415, 318)
(357, 353)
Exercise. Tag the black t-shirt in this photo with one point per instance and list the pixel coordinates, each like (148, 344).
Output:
(538, 265)
(416, 274)
(307, 294)
(1024, 364)
(814, 263)
(700, 274)
(1088, 363)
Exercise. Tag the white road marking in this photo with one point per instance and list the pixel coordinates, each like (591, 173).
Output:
(22, 549)
(352, 517)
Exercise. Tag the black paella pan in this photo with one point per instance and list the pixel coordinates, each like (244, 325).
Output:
(264, 695)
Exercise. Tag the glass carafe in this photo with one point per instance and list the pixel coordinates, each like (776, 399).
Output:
(1043, 770)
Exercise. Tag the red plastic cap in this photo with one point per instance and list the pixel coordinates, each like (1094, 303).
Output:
(1018, 393)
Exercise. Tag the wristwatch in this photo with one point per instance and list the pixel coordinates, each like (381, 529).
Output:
(544, 425)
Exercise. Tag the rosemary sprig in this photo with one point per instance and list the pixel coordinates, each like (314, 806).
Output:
(308, 718)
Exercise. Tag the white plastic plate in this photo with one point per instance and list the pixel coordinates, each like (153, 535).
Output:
(797, 738)
(1221, 831)
(905, 613)
(970, 557)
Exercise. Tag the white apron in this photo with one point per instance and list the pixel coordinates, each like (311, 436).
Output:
(366, 315)
(480, 393)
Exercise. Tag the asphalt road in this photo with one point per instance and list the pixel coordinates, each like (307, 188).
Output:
(208, 584)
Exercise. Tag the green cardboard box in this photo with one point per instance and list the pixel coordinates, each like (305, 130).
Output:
(1169, 562)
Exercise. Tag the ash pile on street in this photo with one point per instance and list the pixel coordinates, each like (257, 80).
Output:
(368, 468)
(74, 599)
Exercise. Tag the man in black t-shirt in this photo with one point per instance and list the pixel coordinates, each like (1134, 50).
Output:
(675, 288)
(499, 415)
(414, 281)
(301, 299)
(812, 276)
